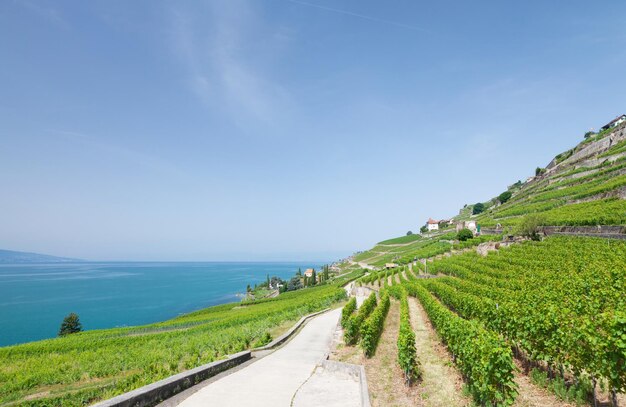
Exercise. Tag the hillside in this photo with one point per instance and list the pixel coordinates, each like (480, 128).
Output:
(583, 186)
(553, 307)
(13, 257)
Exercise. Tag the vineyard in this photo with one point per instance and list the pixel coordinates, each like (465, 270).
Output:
(586, 186)
(82, 368)
(558, 306)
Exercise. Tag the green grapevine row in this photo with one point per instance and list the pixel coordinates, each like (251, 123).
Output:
(407, 354)
(484, 359)
(353, 324)
(347, 311)
(372, 327)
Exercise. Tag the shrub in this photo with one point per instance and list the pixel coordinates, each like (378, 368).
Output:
(530, 226)
(505, 196)
(478, 208)
(70, 325)
(539, 171)
(464, 234)
(409, 233)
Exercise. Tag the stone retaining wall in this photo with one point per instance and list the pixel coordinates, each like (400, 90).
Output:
(612, 232)
(156, 392)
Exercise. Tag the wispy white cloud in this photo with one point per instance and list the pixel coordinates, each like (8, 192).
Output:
(48, 13)
(135, 157)
(358, 15)
(227, 53)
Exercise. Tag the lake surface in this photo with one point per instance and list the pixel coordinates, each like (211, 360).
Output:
(34, 298)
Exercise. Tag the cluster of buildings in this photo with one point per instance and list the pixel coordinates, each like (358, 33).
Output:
(432, 224)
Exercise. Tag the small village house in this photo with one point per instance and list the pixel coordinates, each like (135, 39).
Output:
(308, 273)
(614, 123)
(432, 225)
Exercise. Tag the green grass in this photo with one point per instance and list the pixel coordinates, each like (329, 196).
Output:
(83, 368)
(402, 239)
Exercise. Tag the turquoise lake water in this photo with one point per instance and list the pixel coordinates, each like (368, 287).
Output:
(34, 298)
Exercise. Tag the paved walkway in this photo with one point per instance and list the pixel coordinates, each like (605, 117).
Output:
(274, 379)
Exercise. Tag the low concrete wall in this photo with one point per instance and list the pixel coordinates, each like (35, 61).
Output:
(154, 393)
(283, 338)
(610, 232)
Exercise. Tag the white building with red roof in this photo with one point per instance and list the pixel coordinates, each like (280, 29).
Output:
(432, 224)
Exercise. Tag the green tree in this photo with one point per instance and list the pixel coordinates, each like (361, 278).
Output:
(70, 325)
(268, 281)
(314, 278)
(464, 234)
(539, 171)
(478, 208)
(424, 229)
(409, 233)
(530, 226)
(326, 273)
(294, 284)
(505, 196)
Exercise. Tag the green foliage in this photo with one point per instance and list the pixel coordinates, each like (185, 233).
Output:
(294, 284)
(484, 359)
(353, 324)
(263, 340)
(576, 392)
(70, 325)
(464, 234)
(409, 233)
(407, 354)
(530, 226)
(402, 239)
(505, 196)
(478, 208)
(539, 171)
(372, 327)
(94, 365)
(476, 241)
(424, 229)
(564, 156)
(347, 311)
(561, 301)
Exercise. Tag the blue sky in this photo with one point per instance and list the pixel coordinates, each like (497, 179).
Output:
(283, 129)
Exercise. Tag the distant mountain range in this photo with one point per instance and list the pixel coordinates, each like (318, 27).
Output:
(12, 257)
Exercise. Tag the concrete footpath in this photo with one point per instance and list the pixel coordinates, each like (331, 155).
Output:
(275, 379)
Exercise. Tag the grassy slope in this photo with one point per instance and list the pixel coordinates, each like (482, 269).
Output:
(82, 368)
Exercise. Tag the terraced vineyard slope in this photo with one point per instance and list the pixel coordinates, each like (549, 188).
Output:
(582, 186)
